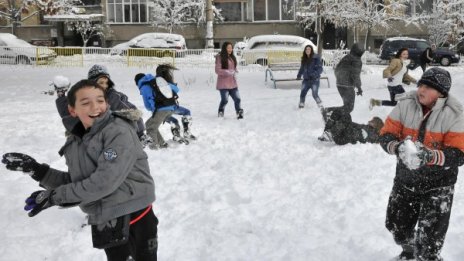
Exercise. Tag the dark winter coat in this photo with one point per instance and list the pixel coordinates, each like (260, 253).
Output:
(443, 134)
(427, 56)
(108, 174)
(345, 131)
(348, 70)
(311, 70)
(117, 101)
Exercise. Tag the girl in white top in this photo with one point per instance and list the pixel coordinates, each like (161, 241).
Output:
(396, 74)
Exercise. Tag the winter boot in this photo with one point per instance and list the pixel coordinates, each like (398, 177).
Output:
(176, 136)
(186, 122)
(240, 114)
(406, 254)
(374, 102)
(220, 113)
(301, 105)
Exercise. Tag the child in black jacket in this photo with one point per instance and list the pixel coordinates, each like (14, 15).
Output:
(340, 129)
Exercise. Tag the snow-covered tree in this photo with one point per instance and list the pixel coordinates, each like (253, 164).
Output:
(87, 29)
(168, 14)
(18, 11)
(445, 23)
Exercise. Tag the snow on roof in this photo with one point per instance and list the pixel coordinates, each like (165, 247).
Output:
(74, 17)
(404, 38)
(277, 38)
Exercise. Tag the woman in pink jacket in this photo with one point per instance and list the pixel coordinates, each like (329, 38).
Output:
(226, 69)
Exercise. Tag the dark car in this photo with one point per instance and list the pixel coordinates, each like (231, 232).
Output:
(416, 47)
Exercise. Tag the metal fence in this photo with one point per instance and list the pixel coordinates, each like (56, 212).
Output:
(138, 57)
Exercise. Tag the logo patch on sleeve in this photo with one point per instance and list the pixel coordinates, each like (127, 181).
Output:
(110, 154)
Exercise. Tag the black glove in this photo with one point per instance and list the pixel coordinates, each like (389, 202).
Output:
(298, 78)
(61, 92)
(38, 201)
(25, 163)
(359, 92)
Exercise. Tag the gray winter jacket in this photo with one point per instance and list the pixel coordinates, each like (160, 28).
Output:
(348, 70)
(108, 174)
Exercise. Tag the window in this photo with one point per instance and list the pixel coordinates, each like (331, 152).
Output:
(274, 10)
(233, 11)
(127, 11)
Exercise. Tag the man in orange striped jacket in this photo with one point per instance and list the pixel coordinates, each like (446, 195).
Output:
(426, 132)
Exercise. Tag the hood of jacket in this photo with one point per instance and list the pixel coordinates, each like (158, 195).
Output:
(145, 79)
(357, 50)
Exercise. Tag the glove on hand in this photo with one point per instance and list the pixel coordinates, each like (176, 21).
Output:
(298, 78)
(359, 92)
(38, 201)
(25, 163)
(61, 92)
(390, 79)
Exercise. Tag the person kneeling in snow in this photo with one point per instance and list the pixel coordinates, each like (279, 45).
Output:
(426, 132)
(108, 176)
(340, 129)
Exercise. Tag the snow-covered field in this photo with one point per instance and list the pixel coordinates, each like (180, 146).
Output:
(262, 188)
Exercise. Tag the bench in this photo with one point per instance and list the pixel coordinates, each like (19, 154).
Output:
(289, 66)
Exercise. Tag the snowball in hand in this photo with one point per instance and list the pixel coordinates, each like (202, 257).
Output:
(408, 153)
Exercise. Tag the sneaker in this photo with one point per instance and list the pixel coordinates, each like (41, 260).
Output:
(220, 114)
(164, 145)
(320, 106)
(301, 105)
(326, 136)
(374, 102)
(240, 114)
(153, 146)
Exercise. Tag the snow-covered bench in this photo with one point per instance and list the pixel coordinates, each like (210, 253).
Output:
(288, 66)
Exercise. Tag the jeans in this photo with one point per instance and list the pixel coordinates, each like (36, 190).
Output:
(179, 111)
(225, 98)
(314, 86)
(394, 90)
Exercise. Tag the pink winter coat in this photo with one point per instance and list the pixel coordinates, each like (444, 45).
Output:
(226, 77)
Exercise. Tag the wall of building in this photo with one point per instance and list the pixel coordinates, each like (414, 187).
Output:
(28, 33)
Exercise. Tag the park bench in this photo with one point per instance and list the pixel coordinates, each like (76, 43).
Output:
(286, 66)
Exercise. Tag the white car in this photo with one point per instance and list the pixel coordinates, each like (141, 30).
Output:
(263, 49)
(17, 51)
(163, 41)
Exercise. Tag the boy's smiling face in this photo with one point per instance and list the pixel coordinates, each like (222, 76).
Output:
(90, 104)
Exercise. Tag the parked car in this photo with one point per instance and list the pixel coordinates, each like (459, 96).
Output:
(17, 51)
(162, 41)
(416, 47)
(284, 48)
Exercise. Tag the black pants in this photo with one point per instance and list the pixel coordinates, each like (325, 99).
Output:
(143, 240)
(429, 210)
(393, 90)
(348, 96)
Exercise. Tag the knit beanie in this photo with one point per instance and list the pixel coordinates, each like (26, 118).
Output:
(436, 78)
(97, 71)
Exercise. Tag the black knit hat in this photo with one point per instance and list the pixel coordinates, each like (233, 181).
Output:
(437, 78)
(137, 77)
(97, 71)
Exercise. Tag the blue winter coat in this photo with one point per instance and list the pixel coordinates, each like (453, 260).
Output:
(148, 95)
(311, 71)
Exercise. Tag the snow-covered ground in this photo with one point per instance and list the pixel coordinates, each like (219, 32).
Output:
(262, 188)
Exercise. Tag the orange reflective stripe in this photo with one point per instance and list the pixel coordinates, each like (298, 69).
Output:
(140, 216)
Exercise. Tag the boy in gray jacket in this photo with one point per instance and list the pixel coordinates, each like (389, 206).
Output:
(108, 176)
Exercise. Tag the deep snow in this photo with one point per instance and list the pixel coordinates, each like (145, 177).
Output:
(262, 188)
